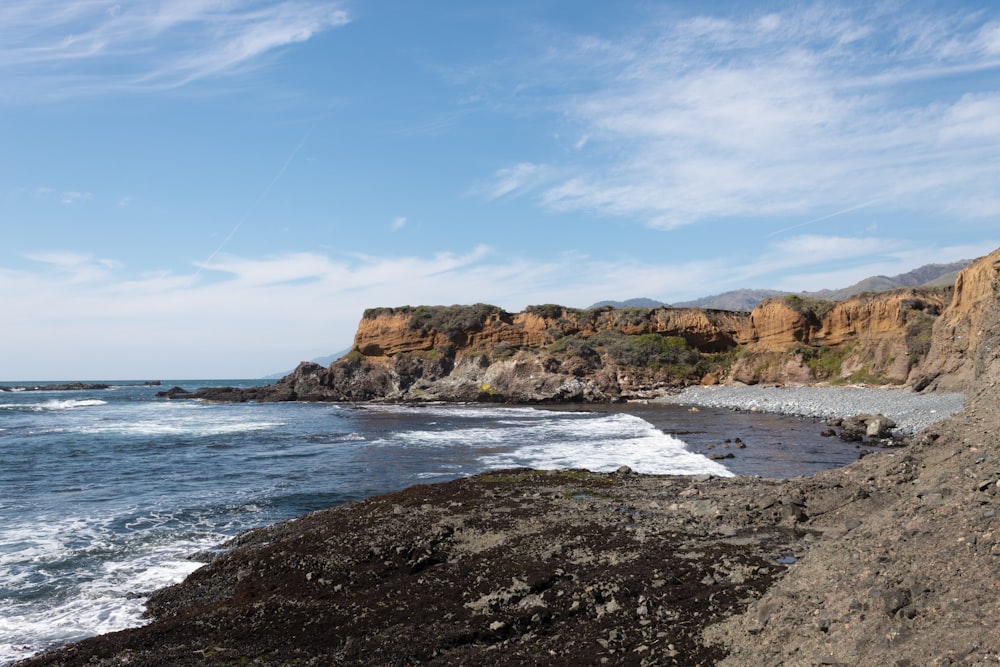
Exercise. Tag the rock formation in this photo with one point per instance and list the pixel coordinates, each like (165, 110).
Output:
(556, 354)
(891, 560)
(962, 346)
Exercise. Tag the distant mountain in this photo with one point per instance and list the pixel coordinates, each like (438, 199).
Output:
(929, 275)
(631, 303)
(741, 299)
(322, 361)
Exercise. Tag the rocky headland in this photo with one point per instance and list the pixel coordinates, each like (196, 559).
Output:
(892, 560)
(553, 354)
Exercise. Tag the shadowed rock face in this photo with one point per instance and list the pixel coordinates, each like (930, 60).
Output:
(963, 346)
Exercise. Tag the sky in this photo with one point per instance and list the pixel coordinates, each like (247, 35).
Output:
(220, 188)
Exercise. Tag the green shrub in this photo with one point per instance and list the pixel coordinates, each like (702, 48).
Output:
(865, 376)
(647, 350)
(919, 328)
(451, 320)
(824, 361)
(632, 316)
(809, 306)
(549, 311)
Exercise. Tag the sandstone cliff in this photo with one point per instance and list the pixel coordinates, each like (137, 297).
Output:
(554, 354)
(963, 344)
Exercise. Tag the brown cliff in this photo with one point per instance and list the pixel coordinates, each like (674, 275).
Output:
(550, 353)
(871, 338)
(961, 348)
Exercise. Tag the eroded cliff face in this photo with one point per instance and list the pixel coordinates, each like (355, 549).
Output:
(555, 354)
(963, 340)
(874, 338)
(387, 332)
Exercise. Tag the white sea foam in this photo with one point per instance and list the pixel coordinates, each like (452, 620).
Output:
(542, 439)
(605, 444)
(53, 405)
(112, 603)
(45, 554)
(451, 410)
(197, 428)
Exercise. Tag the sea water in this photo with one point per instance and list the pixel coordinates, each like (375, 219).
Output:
(106, 494)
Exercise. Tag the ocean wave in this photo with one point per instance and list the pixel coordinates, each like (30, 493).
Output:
(54, 405)
(558, 440)
(91, 600)
(604, 445)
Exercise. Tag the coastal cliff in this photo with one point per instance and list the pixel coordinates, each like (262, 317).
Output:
(550, 353)
(964, 344)
(891, 560)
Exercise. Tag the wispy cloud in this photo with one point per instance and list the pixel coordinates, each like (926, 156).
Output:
(513, 180)
(50, 48)
(72, 197)
(797, 113)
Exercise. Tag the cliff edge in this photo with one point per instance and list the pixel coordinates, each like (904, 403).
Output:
(550, 353)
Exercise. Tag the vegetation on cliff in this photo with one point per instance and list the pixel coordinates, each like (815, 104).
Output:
(550, 352)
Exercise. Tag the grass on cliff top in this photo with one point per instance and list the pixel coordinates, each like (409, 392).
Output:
(450, 320)
(809, 305)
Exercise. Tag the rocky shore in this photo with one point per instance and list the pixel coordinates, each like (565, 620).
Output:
(892, 560)
(910, 412)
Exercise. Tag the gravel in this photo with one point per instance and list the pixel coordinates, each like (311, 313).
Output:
(912, 412)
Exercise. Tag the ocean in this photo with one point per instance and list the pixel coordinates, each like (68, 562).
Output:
(105, 494)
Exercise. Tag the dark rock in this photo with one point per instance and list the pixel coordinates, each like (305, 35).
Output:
(175, 392)
(895, 599)
(451, 574)
(71, 386)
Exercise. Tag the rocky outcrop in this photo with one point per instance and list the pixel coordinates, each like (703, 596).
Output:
(71, 386)
(961, 348)
(555, 354)
(914, 336)
(872, 338)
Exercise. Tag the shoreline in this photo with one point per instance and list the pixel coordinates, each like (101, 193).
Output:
(911, 411)
(582, 566)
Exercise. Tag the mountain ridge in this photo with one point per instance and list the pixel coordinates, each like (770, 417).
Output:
(745, 299)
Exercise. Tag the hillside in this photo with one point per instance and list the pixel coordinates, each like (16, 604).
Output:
(929, 275)
(742, 299)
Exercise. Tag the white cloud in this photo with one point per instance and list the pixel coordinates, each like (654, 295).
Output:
(249, 316)
(50, 48)
(397, 223)
(799, 112)
(513, 180)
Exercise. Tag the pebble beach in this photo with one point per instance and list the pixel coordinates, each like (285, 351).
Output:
(911, 411)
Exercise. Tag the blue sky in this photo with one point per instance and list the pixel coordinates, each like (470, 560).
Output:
(219, 188)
